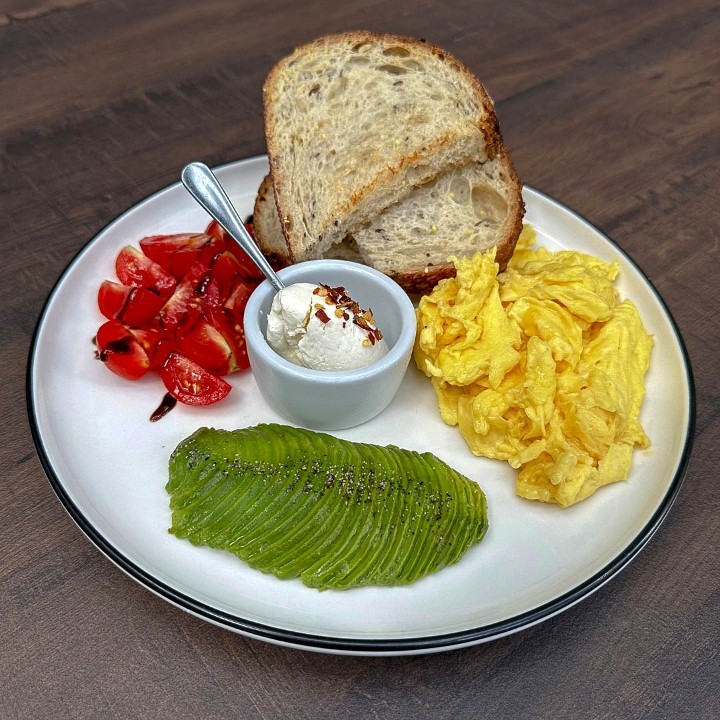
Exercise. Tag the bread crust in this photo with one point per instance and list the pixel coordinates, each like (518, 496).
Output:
(266, 225)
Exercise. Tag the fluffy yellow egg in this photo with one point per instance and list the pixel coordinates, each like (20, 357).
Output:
(542, 365)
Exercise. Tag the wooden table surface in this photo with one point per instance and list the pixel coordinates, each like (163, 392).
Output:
(611, 107)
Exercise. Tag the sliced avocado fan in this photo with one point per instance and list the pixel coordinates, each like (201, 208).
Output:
(336, 514)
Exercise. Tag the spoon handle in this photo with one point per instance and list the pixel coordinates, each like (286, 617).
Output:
(202, 184)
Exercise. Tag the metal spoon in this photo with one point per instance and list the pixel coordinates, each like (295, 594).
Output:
(207, 190)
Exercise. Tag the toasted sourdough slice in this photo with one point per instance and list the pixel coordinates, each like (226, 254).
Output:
(461, 211)
(354, 121)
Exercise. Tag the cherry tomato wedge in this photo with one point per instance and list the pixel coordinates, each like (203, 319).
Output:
(138, 270)
(112, 297)
(225, 269)
(185, 305)
(120, 351)
(187, 382)
(132, 306)
(231, 328)
(177, 253)
(247, 267)
(205, 345)
(237, 300)
(158, 344)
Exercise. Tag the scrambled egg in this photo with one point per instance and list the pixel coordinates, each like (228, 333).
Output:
(542, 366)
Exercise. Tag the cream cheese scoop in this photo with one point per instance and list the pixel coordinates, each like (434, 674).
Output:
(322, 328)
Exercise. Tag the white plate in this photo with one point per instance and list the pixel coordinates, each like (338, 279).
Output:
(108, 465)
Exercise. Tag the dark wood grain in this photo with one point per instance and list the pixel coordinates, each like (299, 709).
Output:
(611, 107)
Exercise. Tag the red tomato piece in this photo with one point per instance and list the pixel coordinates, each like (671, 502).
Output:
(141, 308)
(216, 230)
(205, 345)
(120, 351)
(177, 253)
(157, 344)
(231, 328)
(210, 292)
(185, 305)
(112, 297)
(187, 382)
(247, 267)
(132, 306)
(138, 270)
(229, 320)
(237, 300)
(225, 268)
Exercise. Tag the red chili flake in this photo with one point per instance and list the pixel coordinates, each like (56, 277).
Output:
(360, 321)
(321, 315)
